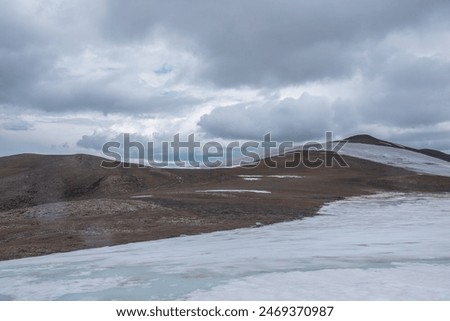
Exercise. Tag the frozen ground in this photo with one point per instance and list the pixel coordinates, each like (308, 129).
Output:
(382, 247)
(398, 157)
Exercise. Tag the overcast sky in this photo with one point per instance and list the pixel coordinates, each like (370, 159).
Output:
(74, 74)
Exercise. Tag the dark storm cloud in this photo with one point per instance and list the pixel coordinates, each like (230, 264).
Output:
(16, 32)
(289, 119)
(413, 91)
(16, 124)
(25, 80)
(23, 83)
(23, 54)
(254, 43)
(270, 43)
(30, 76)
(405, 92)
(94, 141)
(108, 100)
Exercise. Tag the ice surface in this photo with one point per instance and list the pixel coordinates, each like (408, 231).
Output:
(398, 157)
(387, 246)
(337, 284)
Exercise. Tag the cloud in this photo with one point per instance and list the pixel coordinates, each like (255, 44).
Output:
(94, 141)
(230, 70)
(17, 124)
(60, 146)
(289, 119)
(51, 66)
(266, 43)
(410, 91)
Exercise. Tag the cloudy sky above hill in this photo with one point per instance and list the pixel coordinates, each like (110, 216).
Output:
(74, 74)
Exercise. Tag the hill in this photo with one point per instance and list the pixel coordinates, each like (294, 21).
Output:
(367, 139)
(55, 203)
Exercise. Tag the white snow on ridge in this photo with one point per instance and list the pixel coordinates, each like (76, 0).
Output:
(381, 247)
(233, 191)
(284, 176)
(251, 176)
(270, 176)
(259, 177)
(141, 196)
(410, 160)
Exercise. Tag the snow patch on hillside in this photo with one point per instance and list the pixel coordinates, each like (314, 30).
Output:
(260, 177)
(398, 157)
(233, 191)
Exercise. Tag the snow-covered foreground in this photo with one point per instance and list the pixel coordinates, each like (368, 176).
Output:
(398, 157)
(387, 246)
